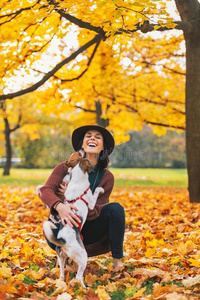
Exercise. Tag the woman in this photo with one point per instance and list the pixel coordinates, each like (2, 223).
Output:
(105, 225)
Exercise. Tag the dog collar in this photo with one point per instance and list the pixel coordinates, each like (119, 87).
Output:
(80, 197)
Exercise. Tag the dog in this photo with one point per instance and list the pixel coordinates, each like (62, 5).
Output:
(72, 162)
(68, 242)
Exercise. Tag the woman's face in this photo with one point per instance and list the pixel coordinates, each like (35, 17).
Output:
(93, 142)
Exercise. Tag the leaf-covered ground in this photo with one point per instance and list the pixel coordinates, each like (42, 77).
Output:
(162, 250)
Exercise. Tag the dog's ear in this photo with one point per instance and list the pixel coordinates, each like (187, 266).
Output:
(81, 153)
(73, 159)
(85, 165)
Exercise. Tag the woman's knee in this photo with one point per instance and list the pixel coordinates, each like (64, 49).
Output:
(115, 209)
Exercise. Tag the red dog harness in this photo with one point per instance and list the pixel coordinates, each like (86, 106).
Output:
(80, 197)
(74, 200)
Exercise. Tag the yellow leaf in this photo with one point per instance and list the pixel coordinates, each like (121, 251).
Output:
(153, 243)
(7, 288)
(156, 27)
(90, 279)
(175, 260)
(111, 287)
(110, 267)
(194, 262)
(149, 252)
(61, 287)
(139, 293)
(102, 294)
(5, 272)
(148, 234)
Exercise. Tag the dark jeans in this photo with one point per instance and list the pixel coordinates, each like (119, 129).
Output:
(111, 222)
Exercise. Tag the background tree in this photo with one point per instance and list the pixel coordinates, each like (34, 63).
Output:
(38, 23)
(147, 150)
(21, 121)
(17, 115)
(53, 146)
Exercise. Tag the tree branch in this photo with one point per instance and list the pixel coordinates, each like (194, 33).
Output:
(88, 64)
(85, 109)
(163, 66)
(77, 21)
(80, 75)
(136, 110)
(174, 71)
(17, 125)
(151, 122)
(35, 86)
(15, 14)
(148, 27)
(164, 125)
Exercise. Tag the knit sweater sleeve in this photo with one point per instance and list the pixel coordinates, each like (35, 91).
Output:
(107, 183)
(48, 191)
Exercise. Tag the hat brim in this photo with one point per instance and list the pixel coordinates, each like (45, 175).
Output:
(79, 133)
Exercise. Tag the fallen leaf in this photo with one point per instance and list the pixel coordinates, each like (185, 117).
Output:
(191, 281)
(64, 296)
(139, 293)
(102, 294)
(90, 279)
(175, 296)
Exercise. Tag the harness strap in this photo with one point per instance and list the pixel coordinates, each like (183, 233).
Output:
(80, 197)
(74, 200)
(79, 227)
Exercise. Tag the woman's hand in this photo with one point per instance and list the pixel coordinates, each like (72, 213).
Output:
(66, 214)
(62, 189)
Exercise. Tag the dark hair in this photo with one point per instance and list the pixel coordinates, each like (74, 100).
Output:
(103, 160)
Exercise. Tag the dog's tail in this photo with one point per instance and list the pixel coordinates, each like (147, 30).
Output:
(47, 227)
(38, 190)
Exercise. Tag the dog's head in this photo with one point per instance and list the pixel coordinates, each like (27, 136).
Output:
(85, 165)
(77, 158)
(74, 159)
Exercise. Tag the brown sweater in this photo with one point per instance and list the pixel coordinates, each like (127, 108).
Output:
(49, 197)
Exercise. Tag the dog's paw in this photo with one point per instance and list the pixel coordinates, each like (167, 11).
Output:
(99, 190)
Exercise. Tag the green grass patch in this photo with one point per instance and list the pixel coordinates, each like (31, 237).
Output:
(150, 177)
(123, 177)
(25, 177)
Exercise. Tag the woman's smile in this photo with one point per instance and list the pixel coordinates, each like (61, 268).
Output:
(93, 142)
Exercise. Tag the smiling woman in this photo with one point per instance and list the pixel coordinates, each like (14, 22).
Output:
(105, 225)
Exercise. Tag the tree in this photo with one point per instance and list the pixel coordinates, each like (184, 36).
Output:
(27, 129)
(7, 132)
(33, 25)
(147, 150)
(23, 118)
(53, 146)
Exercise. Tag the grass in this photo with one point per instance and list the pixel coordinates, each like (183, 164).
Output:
(150, 177)
(123, 177)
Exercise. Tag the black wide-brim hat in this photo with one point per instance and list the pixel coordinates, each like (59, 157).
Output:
(79, 133)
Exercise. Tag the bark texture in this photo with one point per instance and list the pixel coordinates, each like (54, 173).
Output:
(190, 12)
(8, 148)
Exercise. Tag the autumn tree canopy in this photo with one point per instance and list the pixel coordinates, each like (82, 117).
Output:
(98, 60)
(117, 68)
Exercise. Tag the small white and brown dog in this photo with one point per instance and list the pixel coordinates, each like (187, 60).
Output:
(68, 241)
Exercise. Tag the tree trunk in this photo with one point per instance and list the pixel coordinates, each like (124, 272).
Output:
(8, 148)
(100, 121)
(193, 112)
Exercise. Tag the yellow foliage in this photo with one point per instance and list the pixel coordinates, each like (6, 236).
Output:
(133, 77)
